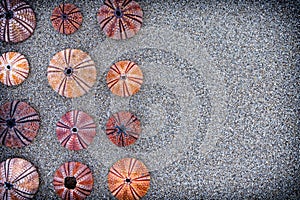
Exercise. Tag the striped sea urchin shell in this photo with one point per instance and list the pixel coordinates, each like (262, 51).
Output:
(71, 73)
(128, 179)
(123, 128)
(14, 68)
(120, 19)
(124, 78)
(75, 130)
(19, 124)
(17, 21)
(66, 18)
(73, 180)
(19, 179)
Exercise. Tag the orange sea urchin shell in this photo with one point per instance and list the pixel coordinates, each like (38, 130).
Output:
(19, 124)
(17, 21)
(128, 179)
(19, 179)
(73, 180)
(75, 130)
(14, 68)
(66, 18)
(71, 73)
(124, 78)
(123, 128)
(120, 19)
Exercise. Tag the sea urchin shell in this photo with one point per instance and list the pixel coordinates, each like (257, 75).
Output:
(71, 73)
(19, 179)
(124, 78)
(73, 180)
(123, 128)
(75, 130)
(17, 21)
(120, 19)
(128, 179)
(19, 124)
(14, 68)
(66, 18)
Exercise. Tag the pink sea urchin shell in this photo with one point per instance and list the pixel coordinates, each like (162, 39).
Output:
(75, 130)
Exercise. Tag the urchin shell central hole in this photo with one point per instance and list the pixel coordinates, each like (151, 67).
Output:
(123, 76)
(70, 182)
(74, 130)
(68, 71)
(9, 14)
(11, 123)
(8, 185)
(121, 129)
(8, 67)
(127, 180)
(64, 16)
(118, 13)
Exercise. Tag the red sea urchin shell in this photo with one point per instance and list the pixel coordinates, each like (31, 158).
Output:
(66, 18)
(19, 124)
(19, 179)
(120, 19)
(73, 180)
(17, 21)
(123, 128)
(71, 73)
(124, 78)
(75, 130)
(128, 179)
(14, 68)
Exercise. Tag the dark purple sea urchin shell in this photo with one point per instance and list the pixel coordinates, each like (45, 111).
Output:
(17, 21)
(19, 124)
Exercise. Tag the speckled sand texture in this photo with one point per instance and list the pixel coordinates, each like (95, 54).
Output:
(219, 105)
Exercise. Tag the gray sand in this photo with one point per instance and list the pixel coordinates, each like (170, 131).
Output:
(219, 105)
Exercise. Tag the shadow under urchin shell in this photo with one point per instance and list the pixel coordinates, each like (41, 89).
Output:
(149, 95)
